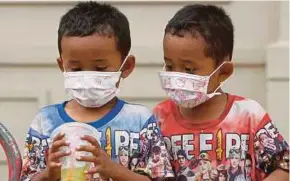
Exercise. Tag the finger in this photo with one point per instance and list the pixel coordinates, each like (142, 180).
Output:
(93, 170)
(89, 148)
(58, 137)
(54, 157)
(54, 165)
(57, 144)
(91, 159)
(91, 140)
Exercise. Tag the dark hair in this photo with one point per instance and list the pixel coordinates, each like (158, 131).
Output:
(223, 172)
(87, 18)
(248, 157)
(211, 23)
(182, 153)
(156, 149)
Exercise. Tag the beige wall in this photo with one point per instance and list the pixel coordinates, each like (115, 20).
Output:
(30, 79)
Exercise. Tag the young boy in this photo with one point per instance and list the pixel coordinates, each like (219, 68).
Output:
(214, 128)
(94, 43)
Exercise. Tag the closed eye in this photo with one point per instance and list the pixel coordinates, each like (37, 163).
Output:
(101, 69)
(76, 69)
(168, 67)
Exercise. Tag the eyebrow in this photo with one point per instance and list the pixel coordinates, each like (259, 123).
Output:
(73, 61)
(100, 60)
(187, 61)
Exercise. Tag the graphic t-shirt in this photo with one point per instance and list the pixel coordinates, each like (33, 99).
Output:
(129, 135)
(242, 145)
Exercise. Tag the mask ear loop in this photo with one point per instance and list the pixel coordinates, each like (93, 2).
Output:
(63, 69)
(122, 65)
(214, 92)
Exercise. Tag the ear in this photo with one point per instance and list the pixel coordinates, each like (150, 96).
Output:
(226, 71)
(60, 64)
(128, 67)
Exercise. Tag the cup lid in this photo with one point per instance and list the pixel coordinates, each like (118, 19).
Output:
(76, 128)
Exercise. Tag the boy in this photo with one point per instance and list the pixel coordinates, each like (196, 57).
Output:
(214, 128)
(94, 41)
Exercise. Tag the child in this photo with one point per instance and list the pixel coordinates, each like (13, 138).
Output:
(214, 128)
(94, 42)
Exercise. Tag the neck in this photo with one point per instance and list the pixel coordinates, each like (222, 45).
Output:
(210, 110)
(86, 115)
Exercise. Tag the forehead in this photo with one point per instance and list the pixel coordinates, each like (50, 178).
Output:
(186, 47)
(88, 47)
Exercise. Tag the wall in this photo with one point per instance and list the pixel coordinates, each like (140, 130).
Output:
(30, 78)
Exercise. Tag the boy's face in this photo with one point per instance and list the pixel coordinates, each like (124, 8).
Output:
(186, 54)
(93, 53)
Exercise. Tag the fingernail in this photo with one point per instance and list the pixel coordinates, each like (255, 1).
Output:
(58, 164)
(68, 152)
(67, 142)
(78, 158)
(86, 172)
(78, 147)
(62, 134)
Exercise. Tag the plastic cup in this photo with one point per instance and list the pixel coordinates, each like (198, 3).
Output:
(71, 169)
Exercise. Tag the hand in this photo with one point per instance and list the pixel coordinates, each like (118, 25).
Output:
(53, 169)
(102, 163)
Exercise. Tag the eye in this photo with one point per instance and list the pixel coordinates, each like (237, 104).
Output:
(101, 69)
(76, 69)
(168, 67)
(189, 70)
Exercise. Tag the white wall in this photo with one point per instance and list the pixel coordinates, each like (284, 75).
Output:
(30, 78)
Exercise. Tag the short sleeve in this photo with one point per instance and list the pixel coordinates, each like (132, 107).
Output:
(154, 158)
(271, 149)
(35, 151)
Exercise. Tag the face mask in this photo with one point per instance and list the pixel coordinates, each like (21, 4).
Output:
(187, 90)
(92, 88)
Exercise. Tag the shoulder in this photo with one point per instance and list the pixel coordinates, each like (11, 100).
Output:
(164, 107)
(46, 118)
(247, 107)
(137, 114)
(137, 110)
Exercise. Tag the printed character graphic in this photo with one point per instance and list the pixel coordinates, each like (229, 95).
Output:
(156, 139)
(184, 169)
(213, 174)
(267, 142)
(222, 173)
(248, 167)
(158, 163)
(134, 161)
(235, 172)
(123, 156)
(205, 167)
(265, 147)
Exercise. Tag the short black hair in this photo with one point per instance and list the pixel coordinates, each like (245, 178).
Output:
(182, 153)
(87, 18)
(211, 23)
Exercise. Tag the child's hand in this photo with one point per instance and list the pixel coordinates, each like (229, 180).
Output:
(103, 165)
(53, 171)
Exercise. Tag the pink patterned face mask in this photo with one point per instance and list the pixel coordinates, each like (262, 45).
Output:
(92, 88)
(187, 90)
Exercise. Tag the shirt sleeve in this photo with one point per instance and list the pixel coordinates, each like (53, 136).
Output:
(154, 158)
(271, 150)
(35, 151)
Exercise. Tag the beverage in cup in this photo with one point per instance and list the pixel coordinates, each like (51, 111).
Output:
(72, 169)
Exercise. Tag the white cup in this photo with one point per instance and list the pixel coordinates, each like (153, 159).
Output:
(72, 169)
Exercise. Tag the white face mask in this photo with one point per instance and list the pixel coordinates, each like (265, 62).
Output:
(187, 90)
(92, 88)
